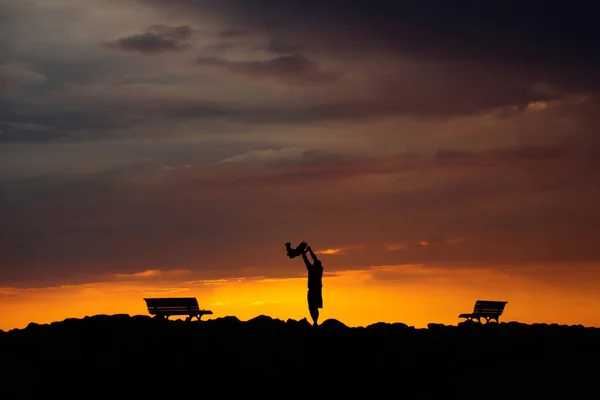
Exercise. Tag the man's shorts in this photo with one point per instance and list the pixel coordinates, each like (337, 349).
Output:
(315, 298)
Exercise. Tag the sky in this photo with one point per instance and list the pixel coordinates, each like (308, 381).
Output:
(433, 153)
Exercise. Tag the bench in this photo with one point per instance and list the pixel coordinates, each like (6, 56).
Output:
(165, 307)
(487, 309)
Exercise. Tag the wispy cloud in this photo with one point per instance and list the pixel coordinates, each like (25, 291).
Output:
(143, 274)
(401, 246)
(8, 292)
(151, 273)
(157, 39)
(396, 246)
(330, 251)
(266, 156)
(275, 280)
(339, 250)
(210, 281)
(291, 69)
(220, 303)
(166, 290)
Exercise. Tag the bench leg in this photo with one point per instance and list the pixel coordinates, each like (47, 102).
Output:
(191, 317)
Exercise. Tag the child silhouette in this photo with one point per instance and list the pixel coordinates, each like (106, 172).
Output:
(299, 250)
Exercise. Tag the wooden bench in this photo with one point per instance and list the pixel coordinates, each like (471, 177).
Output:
(487, 309)
(165, 307)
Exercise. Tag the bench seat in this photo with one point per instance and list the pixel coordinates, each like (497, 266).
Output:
(486, 309)
(168, 306)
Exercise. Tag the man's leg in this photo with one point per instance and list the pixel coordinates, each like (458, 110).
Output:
(314, 314)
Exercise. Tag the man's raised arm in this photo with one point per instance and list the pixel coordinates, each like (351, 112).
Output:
(306, 262)
(312, 254)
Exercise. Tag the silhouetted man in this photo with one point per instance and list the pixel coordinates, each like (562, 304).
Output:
(315, 284)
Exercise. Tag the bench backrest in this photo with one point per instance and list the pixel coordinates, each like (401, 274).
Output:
(489, 307)
(172, 305)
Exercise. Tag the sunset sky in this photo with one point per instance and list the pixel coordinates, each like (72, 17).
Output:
(433, 152)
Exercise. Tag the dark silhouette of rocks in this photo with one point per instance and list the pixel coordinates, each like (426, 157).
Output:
(142, 356)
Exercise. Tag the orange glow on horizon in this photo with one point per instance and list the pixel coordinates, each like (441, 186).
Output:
(412, 294)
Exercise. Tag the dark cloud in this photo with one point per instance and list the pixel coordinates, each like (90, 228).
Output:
(96, 119)
(235, 39)
(506, 153)
(454, 154)
(445, 101)
(232, 33)
(226, 217)
(278, 47)
(492, 29)
(293, 69)
(30, 123)
(424, 58)
(157, 39)
(547, 41)
(532, 152)
(431, 85)
(312, 166)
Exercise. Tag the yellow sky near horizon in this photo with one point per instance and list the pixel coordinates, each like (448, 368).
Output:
(413, 294)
